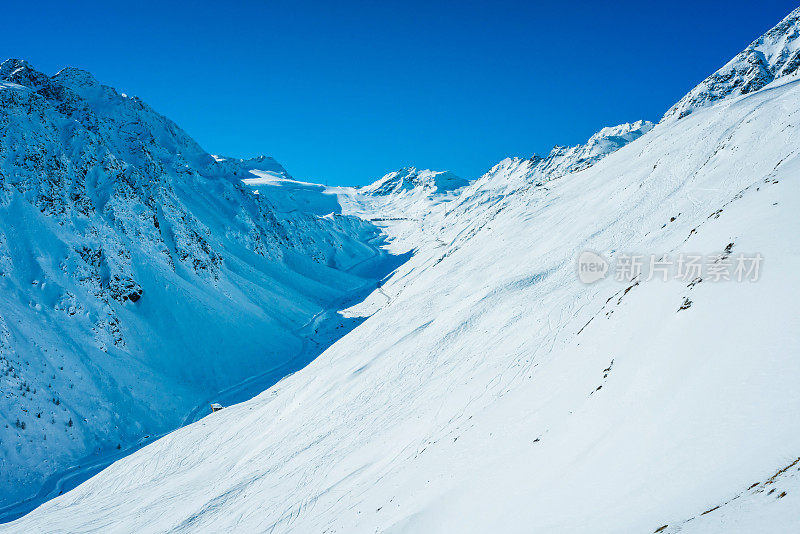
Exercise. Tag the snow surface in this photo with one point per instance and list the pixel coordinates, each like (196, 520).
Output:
(489, 390)
(140, 279)
(412, 209)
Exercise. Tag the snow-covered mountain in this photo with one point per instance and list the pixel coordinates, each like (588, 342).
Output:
(490, 390)
(774, 55)
(404, 203)
(514, 174)
(139, 276)
(411, 179)
(415, 207)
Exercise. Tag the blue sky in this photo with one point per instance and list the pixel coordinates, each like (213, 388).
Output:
(343, 92)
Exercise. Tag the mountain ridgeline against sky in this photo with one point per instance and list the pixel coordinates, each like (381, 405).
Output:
(774, 55)
(139, 276)
(419, 204)
(410, 179)
(443, 367)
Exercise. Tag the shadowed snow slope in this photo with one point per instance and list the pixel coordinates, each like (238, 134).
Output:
(139, 276)
(490, 391)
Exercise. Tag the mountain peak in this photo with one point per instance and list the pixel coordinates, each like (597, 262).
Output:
(73, 77)
(774, 55)
(409, 178)
(12, 64)
(21, 72)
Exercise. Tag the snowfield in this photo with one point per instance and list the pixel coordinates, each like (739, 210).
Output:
(488, 390)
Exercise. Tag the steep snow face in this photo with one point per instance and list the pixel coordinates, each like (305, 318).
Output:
(490, 390)
(774, 55)
(139, 276)
(411, 179)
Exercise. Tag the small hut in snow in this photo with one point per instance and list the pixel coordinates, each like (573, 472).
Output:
(215, 407)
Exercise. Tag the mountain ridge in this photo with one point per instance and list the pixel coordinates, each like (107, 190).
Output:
(774, 55)
(130, 259)
(409, 178)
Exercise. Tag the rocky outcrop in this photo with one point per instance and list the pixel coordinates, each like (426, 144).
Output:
(774, 55)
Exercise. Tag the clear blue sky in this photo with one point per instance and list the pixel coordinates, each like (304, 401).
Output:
(344, 92)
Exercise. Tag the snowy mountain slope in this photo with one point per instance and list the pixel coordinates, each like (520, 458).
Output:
(139, 276)
(514, 174)
(410, 179)
(774, 55)
(405, 203)
(289, 196)
(415, 216)
(263, 164)
(490, 390)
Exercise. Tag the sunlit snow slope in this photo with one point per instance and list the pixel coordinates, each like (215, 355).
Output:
(490, 391)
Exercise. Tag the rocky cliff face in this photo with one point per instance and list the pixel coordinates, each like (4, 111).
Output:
(131, 261)
(774, 55)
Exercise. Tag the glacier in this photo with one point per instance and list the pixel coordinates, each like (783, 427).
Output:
(485, 388)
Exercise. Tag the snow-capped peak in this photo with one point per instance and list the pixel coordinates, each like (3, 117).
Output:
(21, 72)
(11, 65)
(774, 55)
(409, 178)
